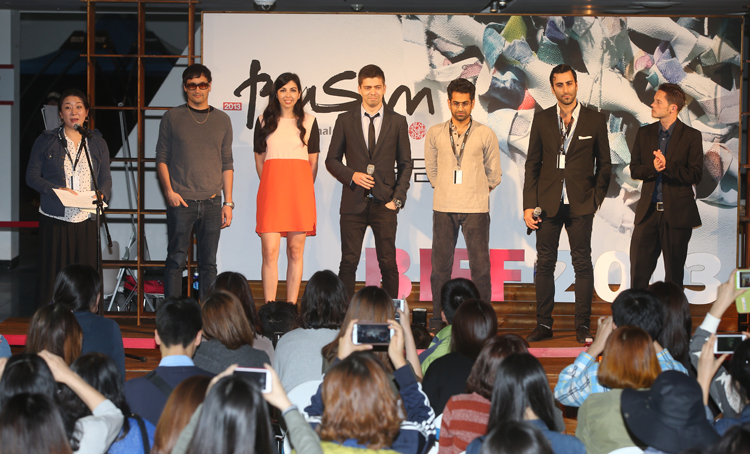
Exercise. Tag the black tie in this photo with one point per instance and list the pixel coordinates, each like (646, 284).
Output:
(371, 133)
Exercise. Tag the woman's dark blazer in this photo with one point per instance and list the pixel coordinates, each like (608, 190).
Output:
(46, 170)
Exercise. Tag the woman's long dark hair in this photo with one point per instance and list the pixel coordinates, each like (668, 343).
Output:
(236, 283)
(273, 112)
(31, 423)
(323, 303)
(678, 325)
(99, 371)
(77, 287)
(234, 419)
(521, 382)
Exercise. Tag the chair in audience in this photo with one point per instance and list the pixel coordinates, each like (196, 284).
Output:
(301, 395)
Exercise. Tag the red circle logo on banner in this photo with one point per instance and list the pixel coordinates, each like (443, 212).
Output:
(417, 130)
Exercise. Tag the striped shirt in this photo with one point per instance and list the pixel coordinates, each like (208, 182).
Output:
(465, 418)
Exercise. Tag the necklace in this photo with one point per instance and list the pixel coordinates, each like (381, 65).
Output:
(199, 122)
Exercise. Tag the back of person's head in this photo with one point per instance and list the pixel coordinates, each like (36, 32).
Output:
(455, 292)
(323, 303)
(234, 419)
(629, 359)
(359, 403)
(421, 335)
(54, 328)
(236, 284)
(77, 287)
(474, 323)
(520, 382)
(180, 406)
(677, 325)
(178, 321)
(277, 319)
(495, 349)
(739, 370)
(32, 423)
(515, 437)
(736, 440)
(370, 304)
(224, 320)
(26, 373)
(639, 308)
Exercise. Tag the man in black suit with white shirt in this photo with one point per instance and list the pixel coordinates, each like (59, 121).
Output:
(373, 138)
(568, 169)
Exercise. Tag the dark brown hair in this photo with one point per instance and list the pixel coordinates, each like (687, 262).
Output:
(561, 69)
(236, 283)
(370, 304)
(629, 359)
(54, 328)
(675, 95)
(677, 327)
(482, 377)
(177, 412)
(368, 72)
(224, 320)
(359, 403)
(475, 322)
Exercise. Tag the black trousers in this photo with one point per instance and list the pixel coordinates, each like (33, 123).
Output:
(60, 244)
(651, 238)
(547, 242)
(383, 222)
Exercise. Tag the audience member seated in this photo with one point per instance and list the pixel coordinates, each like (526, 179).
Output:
(234, 418)
(724, 395)
(236, 284)
(356, 408)
(4, 347)
(178, 333)
(26, 373)
(421, 335)
(628, 362)
(739, 371)
(453, 293)
(180, 406)
(99, 371)
(736, 440)
(372, 304)
(277, 318)
(516, 437)
(670, 417)
(465, 415)
(631, 307)
(77, 288)
(322, 309)
(678, 324)
(475, 322)
(228, 338)
(32, 423)
(54, 328)
(522, 393)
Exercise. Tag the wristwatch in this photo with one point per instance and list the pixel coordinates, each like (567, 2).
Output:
(229, 204)
(398, 203)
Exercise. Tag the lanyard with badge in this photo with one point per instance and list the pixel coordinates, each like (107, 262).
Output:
(458, 173)
(564, 133)
(74, 180)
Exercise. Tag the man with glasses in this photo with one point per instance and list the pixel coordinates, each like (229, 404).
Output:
(194, 164)
(462, 160)
(568, 169)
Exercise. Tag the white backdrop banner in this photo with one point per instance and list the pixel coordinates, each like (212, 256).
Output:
(620, 63)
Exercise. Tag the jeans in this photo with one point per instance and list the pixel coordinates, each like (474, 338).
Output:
(205, 217)
(476, 230)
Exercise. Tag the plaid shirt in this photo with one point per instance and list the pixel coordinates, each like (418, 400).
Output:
(579, 380)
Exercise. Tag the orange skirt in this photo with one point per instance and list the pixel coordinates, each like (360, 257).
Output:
(286, 198)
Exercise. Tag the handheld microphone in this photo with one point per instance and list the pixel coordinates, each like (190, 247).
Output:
(537, 212)
(370, 171)
(82, 131)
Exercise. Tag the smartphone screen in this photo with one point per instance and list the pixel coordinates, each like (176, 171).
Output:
(726, 343)
(260, 376)
(742, 281)
(372, 333)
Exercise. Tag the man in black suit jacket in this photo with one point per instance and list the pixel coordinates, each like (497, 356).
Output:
(373, 136)
(668, 157)
(568, 169)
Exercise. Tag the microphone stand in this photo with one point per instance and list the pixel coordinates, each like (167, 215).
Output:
(85, 134)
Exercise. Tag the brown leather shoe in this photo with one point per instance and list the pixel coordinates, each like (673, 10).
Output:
(583, 334)
(540, 333)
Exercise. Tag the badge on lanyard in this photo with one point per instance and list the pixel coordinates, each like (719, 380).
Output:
(458, 176)
(75, 183)
(560, 161)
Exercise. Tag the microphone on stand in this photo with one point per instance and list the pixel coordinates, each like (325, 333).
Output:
(82, 131)
(370, 171)
(537, 212)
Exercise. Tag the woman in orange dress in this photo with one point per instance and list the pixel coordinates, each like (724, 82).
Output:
(287, 145)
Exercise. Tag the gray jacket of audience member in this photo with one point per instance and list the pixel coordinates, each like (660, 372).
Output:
(722, 391)
(298, 358)
(214, 356)
(302, 437)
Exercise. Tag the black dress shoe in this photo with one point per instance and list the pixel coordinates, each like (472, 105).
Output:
(583, 334)
(540, 333)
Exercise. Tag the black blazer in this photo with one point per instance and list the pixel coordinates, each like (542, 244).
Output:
(588, 167)
(684, 169)
(392, 146)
